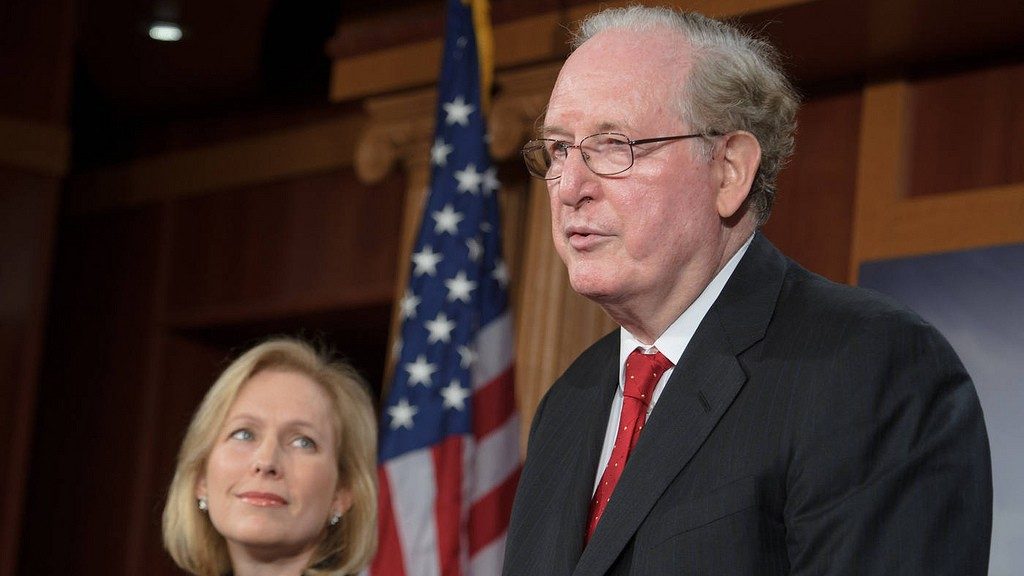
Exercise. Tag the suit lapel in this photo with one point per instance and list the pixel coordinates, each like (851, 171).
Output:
(699, 392)
(567, 460)
(590, 425)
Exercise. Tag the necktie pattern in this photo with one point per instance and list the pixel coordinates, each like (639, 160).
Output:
(642, 374)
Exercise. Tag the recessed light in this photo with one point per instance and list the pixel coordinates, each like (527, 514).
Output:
(165, 32)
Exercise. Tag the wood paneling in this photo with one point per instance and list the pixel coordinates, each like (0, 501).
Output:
(35, 75)
(93, 383)
(28, 212)
(320, 146)
(888, 223)
(526, 40)
(313, 244)
(189, 369)
(36, 59)
(812, 220)
(34, 147)
(975, 117)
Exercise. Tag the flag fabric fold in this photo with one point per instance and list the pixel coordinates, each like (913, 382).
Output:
(449, 448)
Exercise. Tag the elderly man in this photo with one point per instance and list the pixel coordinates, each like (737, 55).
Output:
(749, 417)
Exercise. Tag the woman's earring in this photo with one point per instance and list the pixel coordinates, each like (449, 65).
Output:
(335, 518)
(203, 506)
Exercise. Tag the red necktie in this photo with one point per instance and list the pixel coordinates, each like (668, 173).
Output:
(642, 374)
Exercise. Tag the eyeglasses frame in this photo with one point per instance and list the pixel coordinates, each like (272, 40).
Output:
(631, 143)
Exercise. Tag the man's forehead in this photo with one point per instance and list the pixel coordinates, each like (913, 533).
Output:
(617, 70)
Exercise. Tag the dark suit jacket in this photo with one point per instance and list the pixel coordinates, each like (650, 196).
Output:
(809, 428)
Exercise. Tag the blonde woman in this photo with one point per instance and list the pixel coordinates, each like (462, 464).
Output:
(277, 472)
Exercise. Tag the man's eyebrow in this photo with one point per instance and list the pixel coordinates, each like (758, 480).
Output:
(550, 131)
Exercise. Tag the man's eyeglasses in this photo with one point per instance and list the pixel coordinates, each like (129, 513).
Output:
(606, 153)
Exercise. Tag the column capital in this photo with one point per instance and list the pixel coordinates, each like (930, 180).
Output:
(516, 110)
(399, 130)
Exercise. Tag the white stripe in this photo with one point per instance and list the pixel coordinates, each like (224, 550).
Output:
(497, 456)
(488, 561)
(413, 491)
(493, 346)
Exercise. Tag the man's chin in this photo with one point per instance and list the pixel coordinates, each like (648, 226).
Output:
(593, 288)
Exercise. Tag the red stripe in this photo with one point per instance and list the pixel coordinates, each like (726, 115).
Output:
(388, 561)
(488, 517)
(448, 507)
(494, 404)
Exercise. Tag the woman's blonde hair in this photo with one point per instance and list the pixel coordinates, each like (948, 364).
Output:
(190, 537)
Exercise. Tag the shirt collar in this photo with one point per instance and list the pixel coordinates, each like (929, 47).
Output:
(672, 343)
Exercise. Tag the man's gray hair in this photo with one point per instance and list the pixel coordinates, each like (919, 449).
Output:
(736, 84)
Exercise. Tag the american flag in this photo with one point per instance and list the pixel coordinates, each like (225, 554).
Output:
(449, 448)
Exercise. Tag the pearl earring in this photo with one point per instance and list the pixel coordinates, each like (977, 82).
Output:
(203, 505)
(335, 518)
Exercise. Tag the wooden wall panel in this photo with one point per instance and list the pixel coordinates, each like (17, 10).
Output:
(93, 382)
(812, 220)
(35, 59)
(190, 367)
(890, 223)
(28, 211)
(975, 117)
(317, 243)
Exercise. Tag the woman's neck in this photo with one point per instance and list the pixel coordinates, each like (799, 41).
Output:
(247, 562)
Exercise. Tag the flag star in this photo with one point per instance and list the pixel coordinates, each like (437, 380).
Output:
(447, 220)
(468, 356)
(460, 287)
(455, 395)
(409, 303)
(425, 261)
(485, 227)
(401, 414)
(500, 272)
(458, 111)
(440, 328)
(476, 249)
(490, 182)
(420, 371)
(439, 152)
(469, 179)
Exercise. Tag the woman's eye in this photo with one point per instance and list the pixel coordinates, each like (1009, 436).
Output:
(304, 442)
(242, 434)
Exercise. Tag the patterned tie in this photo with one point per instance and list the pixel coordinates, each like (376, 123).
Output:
(642, 374)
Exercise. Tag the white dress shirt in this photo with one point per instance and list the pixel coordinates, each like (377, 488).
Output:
(672, 343)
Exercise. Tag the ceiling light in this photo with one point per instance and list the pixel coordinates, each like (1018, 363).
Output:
(165, 32)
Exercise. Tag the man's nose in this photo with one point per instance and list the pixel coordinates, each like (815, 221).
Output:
(577, 181)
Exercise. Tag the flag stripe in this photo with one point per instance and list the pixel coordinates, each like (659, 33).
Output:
(413, 490)
(494, 404)
(448, 463)
(390, 564)
(497, 457)
(488, 560)
(485, 516)
(494, 350)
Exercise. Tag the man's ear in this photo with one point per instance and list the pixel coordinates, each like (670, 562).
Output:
(738, 155)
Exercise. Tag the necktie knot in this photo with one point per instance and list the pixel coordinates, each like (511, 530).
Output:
(642, 374)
